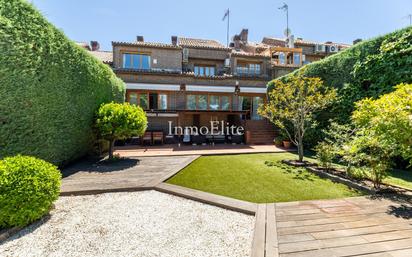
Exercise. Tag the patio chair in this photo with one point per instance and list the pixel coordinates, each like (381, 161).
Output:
(157, 136)
(147, 137)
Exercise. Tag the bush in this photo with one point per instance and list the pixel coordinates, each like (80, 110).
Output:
(50, 88)
(368, 69)
(120, 121)
(28, 187)
(325, 153)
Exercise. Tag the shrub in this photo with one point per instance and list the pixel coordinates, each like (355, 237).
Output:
(120, 121)
(28, 187)
(50, 88)
(368, 69)
(325, 153)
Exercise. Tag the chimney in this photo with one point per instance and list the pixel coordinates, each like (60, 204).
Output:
(358, 40)
(140, 39)
(95, 45)
(244, 35)
(174, 40)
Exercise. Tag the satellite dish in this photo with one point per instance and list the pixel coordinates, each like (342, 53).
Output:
(287, 32)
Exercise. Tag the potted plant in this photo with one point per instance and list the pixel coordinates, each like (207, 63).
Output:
(286, 143)
(278, 141)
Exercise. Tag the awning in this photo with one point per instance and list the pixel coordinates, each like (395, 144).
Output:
(260, 90)
(165, 87)
(218, 89)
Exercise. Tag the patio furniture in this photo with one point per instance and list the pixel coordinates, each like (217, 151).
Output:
(198, 139)
(236, 139)
(147, 137)
(170, 139)
(157, 136)
(186, 136)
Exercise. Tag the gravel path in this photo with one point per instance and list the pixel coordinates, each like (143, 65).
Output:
(147, 223)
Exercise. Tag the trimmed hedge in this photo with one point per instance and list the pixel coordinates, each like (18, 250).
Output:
(368, 69)
(28, 187)
(50, 88)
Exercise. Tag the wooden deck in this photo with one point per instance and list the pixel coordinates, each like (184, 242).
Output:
(358, 226)
(126, 175)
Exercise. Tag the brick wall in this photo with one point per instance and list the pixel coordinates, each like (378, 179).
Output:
(161, 58)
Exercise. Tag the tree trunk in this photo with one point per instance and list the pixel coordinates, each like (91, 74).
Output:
(300, 147)
(111, 148)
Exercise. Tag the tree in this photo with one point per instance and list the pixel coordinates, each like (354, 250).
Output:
(383, 131)
(292, 104)
(119, 121)
(388, 119)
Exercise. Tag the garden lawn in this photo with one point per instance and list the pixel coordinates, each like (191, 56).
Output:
(258, 178)
(402, 178)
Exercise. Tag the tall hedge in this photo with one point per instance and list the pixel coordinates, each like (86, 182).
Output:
(368, 69)
(49, 87)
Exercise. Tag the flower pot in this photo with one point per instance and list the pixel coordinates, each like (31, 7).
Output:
(286, 144)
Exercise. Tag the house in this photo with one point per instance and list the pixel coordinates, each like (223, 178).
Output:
(190, 82)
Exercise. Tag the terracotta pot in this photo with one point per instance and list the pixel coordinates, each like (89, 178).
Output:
(286, 144)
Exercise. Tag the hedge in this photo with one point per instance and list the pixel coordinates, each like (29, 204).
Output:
(368, 69)
(50, 88)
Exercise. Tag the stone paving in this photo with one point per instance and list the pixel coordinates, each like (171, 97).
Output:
(174, 150)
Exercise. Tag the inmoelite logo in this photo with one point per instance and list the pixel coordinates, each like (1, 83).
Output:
(216, 128)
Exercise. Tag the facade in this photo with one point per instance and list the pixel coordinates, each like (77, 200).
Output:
(191, 82)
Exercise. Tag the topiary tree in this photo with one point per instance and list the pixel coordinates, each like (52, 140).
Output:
(119, 121)
(28, 187)
(292, 104)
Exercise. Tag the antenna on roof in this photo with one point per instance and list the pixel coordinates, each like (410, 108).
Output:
(409, 16)
(227, 14)
(285, 8)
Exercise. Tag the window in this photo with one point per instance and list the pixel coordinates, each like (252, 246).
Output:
(248, 69)
(282, 58)
(133, 98)
(153, 101)
(244, 103)
(207, 102)
(202, 102)
(136, 61)
(191, 102)
(296, 58)
(257, 100)
(144, 101)
(162, 102)
(204, 70)
(139, 99)
(225, 103)
(214, 102)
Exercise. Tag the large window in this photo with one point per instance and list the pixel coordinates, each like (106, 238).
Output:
(251, 104)
(225, 103)
(150, 101)
(204, 70)
(257, 101)
(136, 61)
(214, 103)
(248, 68)
(162, 101)
(208, 102)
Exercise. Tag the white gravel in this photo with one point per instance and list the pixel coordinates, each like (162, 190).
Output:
(145, 223)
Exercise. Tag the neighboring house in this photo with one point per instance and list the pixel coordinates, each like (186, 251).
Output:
(191, 82)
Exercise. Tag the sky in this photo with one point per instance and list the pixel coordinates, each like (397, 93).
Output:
(317, 20)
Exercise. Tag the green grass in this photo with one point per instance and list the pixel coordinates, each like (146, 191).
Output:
(259, 178)
(402, 178)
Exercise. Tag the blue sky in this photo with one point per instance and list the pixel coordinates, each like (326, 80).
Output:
(318, 20)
